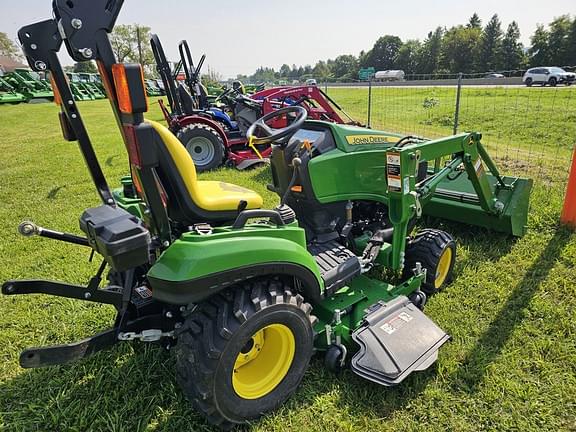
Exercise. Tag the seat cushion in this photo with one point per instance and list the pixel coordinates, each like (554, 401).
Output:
(218, 196)
(207, 195)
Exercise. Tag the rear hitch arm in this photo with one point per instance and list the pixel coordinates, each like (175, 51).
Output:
(62, 289)
(62, 354)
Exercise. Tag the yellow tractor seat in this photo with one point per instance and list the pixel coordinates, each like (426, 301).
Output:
(190, 199)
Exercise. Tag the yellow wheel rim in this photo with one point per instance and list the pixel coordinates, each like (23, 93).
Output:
(263, 362)
(443, 267)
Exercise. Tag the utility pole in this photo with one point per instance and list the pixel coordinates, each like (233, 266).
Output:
(139, 44)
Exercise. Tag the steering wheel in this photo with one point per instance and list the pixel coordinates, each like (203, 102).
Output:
(223, 94)
(273, 135)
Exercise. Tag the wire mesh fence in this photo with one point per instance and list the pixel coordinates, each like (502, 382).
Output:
(529, 131)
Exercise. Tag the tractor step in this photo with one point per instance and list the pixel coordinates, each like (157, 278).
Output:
(337, 264)
(395, 339)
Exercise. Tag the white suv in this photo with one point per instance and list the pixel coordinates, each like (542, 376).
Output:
(548, 75)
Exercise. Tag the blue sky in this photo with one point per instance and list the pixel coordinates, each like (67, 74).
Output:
(239, 36)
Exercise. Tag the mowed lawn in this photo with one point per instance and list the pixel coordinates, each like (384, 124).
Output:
(511, 309)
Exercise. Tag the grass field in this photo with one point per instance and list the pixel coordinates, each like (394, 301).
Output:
(511, 309)
(526, 129)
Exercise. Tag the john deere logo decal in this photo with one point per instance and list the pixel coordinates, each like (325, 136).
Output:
(370, 139)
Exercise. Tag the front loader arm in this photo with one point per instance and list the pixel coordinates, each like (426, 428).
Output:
(407, 196)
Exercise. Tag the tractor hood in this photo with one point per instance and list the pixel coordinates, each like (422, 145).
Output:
(354, 138)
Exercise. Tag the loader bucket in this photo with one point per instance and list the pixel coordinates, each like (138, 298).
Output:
(456, 200)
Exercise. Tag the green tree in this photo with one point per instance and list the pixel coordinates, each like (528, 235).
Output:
(539, 52)
(474, 21)
(293, 72)
(130, 43)
(429, 56)
(459, 49)
(321, 71)
(88, 67)
(345, 67)
(383, 54)
(408, 55)
(263, 74)
(8, 48)
(284, 70)
(491, 45)
(558, 40)
(571, 54)
(512, 49)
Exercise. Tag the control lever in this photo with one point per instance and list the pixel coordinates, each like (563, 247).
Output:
(296, 162)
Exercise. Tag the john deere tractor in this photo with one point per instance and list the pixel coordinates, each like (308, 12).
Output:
(246, 295)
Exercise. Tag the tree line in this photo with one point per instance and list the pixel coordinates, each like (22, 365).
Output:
(469, 48)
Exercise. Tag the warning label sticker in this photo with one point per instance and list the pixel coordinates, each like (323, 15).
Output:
(396, 322)
(393, 159)
(478, 167)
(394, 183)
(393, 172)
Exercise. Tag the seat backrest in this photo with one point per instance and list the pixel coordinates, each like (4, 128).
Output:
(203, 96)
(186, 100)
(177, 174)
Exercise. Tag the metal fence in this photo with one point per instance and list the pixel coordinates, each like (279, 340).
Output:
(529, 131)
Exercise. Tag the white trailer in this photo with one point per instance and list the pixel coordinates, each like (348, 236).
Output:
(389, 75)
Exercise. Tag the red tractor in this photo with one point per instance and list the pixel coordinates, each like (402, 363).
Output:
(213, 135)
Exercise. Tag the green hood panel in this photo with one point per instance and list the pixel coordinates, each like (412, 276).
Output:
(352, 139)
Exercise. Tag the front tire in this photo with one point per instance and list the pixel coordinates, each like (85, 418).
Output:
(528, 82)
(435, 250)
(242, 353)
(204, 144)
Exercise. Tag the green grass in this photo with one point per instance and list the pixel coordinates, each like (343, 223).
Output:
(511, 364)
(525, 129)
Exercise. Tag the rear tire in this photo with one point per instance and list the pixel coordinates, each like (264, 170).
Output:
(552, 81)
(242, 353)
(435, 250)
(204, 144)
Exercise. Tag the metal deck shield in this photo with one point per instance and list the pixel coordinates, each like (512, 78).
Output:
(395, 339)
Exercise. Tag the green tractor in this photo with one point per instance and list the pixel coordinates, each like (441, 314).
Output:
(29, 84)
(243, 295)
(93, 84)
(152, 88)
(80, 90)
(94, 80)
(8, 93)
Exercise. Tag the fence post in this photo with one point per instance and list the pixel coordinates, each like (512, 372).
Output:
(568, 216)
(369, 101)
(457, 110)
